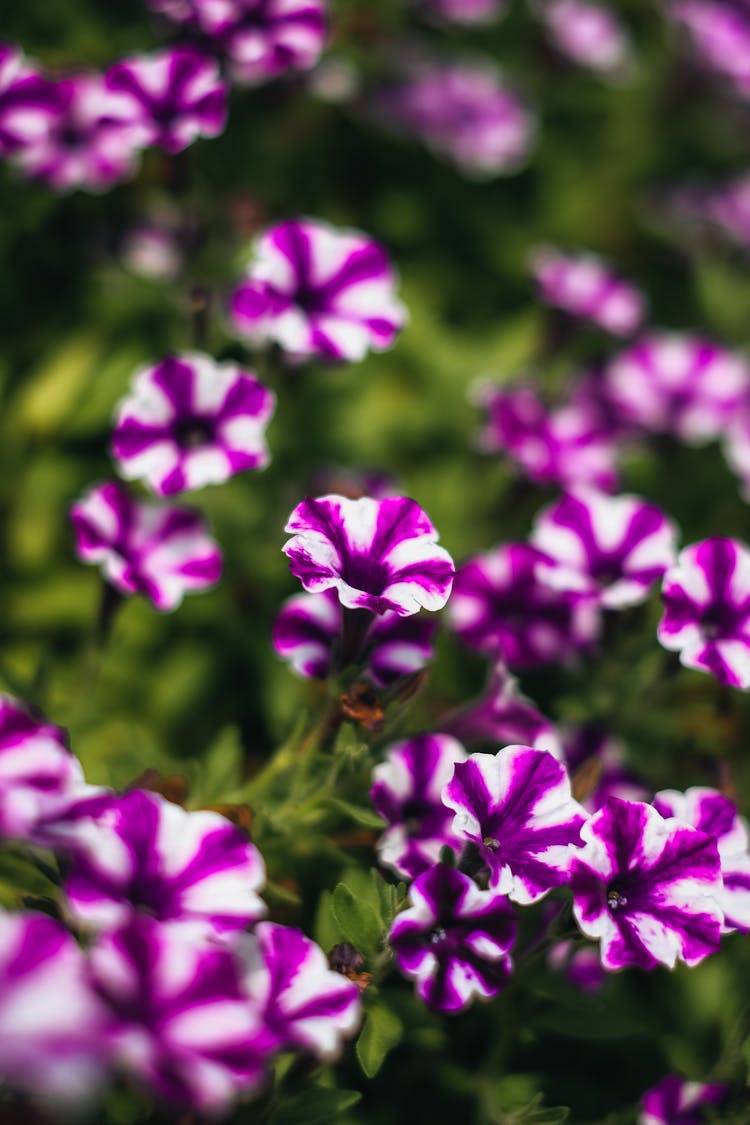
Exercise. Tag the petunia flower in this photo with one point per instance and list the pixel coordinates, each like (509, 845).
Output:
(647, 888)
(308, 630)
(674, 1101)
(28, 102)
(454, 940)
(501, 606)
(179, 1019)
(174, 95)
(303, 1004)
(579, 964)
(584, 286)
(379, 555)
(156, 550)
(143, 853)
(710, 812)
(189, 422)
(516, 809)
(720, 34)
(608, 548)
(406, 792)
(590, 35)
(678, 384)
(503, 715)
(318, 292)
(706, 618)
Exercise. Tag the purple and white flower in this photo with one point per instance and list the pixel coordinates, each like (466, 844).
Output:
(50, 1021)
(91, 142)
(318, 291)
(678, 1102)
(38, 773)
(28, 104)
(710, 812)
(572, 445)
(674, 383)
(580, 964)
(308, 629)
(500, 606)
(179, 1018)
(609, 548)
(596, 764)
(647, 888)
(262, 39)
(143, 853)
(515, 807)
(707, 610)
(469, 12)
(464, 112)
(454, 940)
(736, 448)
(585, 286)
(720, 33)
(406, 792)
(189, 422)
(174, 96)
(503, 716)
(157, 550)
(303, 1004)
(590, 35)
(379, 555)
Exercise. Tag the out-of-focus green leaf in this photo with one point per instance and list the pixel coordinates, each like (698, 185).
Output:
(381, 1032)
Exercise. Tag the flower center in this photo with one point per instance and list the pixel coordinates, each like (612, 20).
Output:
(191, 433)
(615, 900)
(715, 622)
(365, 573)
(491, 843)
(437, 935)
(310, 300)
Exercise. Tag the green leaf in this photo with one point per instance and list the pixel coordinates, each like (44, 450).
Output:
(356, 919)
(316, 1106)
(381, 1032)
(219, 773)
(357, 813)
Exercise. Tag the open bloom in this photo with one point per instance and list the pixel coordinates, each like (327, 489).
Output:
(378, 555)
(178, 1016)
(309, 627)
(500, 606)
(710, 812)
(175, 95)
(609, 548)
(454, 940)
(302, 1003)
(50, 1021)
(707, 609)
(584, 286)
(646, 887)
(677, 1102)
(143, 853)
(318, 291)
(28, 104)
(189, 422)
(674, 383)
(588, 34)
(157, 550)
(515, 807)
(503, 716)
(406, 792)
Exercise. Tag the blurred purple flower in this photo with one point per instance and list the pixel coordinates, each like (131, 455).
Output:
(469, 12)
(720, 34)
(454, 940)
(580, 964)
(646, 887)
(157, 550)
(596, 764)
(677, 1102)
(28, 102)
(588, 34)
(585, 287)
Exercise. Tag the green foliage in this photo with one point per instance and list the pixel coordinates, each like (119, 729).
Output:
(382, 1031)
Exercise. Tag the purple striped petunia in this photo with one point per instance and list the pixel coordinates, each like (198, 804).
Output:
(515, 807)
(304, 1005)
(678, 1102)
(504, 716)
(707, 609)
(647, 888)
(318, 291)
(711, 812)
(406, 792)
(608, 548)
(189, 422)
(678, 384)
(500, 606)
(590, 35)
(158, 550)
(585, 287)
(28, 105)
(51, 1023)
(720, 34)
(379, 555)
(454, 940)
(179, 1019)
(262, 39)
(38, 773)
(174, 96)
(143, 853)
(309, 627)
(580, 965)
